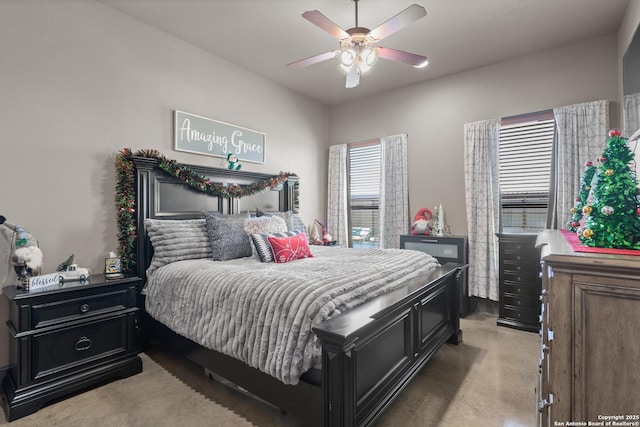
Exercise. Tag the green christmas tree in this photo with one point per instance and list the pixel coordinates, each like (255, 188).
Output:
(581, 199)
(613, 209)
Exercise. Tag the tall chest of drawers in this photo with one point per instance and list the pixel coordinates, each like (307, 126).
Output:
(519, 269)
(66, 339)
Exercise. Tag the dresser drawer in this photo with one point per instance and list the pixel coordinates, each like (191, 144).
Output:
(520, 301)
(521, 289)
(520, 314)
(521, 267)
(524, 278)
(51, 313)
(86, 343)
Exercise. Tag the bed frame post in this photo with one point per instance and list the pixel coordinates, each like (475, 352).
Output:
(339, 381)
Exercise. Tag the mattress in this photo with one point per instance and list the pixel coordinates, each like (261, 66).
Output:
(263, 313)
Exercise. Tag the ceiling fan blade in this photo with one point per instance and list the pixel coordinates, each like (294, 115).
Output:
(319, 20)
(313, 60)
(417, 61)
(401, 20)
(353, 77)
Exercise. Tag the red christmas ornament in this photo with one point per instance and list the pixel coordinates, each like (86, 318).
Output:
(638, 211)
(577, 199)
(615, 132)
(575, 224)
(603, 159)
(589, 164)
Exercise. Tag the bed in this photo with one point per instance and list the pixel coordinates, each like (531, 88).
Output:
(358, 355)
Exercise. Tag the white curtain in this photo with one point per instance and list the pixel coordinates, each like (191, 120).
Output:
(631, 113)
(482, 191)
(337, 203)
(581, 135)
(394, 190)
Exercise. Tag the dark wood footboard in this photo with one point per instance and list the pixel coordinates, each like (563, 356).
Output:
(370, 353)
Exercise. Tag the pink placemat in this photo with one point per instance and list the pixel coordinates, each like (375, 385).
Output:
(576, 244)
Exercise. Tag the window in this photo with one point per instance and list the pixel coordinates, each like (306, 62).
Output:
(525, 149)
(364, 190)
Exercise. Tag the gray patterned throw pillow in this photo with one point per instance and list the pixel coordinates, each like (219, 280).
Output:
(227, 236)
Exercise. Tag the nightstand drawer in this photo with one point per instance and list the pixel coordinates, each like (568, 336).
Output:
(89, 342)
(47, 314)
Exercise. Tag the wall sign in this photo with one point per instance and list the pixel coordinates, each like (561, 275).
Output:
(196, 134)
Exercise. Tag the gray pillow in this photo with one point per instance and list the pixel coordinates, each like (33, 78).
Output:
(176, 240)
(227, 237)
(293, 220)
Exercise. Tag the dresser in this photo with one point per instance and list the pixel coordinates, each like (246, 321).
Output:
(68, 338)
(445, 249)
(519, 282)
(590, 325)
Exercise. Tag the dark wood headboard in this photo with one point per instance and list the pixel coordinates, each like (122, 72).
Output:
(162, 196)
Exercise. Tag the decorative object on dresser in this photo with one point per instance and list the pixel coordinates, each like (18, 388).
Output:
(590, 322)
(444, 249)
(366, 354)
(422, 222)
(113, 267)
(67, 338)
(26, 257)
(519, 269)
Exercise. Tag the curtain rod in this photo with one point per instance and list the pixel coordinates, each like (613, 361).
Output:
(537, 115)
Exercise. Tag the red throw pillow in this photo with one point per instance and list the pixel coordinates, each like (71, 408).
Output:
(287, 249)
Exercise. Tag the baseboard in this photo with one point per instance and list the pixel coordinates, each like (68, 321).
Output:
(483, 305)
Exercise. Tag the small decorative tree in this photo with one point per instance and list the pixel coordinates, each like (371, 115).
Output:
(581, 200)
(613, 210)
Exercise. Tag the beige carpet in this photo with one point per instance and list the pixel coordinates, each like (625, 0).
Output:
(152, 398)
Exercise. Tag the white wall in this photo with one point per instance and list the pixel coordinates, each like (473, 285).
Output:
(80, 81)
(434, 113)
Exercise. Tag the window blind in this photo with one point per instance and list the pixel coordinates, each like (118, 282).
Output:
(364, 187)
(525, 151)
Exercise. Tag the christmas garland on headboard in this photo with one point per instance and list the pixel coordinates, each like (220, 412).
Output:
(126, 197)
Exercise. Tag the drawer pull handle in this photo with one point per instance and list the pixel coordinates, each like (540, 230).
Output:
(84, 308)
(83, 344)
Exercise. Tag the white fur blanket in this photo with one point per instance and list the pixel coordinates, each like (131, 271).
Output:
(262, 313)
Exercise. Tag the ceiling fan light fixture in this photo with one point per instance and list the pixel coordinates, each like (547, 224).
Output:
(358, 50)
(347, 57)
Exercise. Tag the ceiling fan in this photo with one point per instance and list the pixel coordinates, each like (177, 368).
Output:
(358, 50)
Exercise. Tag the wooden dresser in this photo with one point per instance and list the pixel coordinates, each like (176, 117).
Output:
(590, 355)
(519, 270)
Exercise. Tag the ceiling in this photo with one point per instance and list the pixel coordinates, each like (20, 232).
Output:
(456, 35)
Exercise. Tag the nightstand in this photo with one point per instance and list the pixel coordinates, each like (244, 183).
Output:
(68, 338)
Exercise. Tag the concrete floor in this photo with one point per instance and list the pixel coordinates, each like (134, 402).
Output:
(488, 380)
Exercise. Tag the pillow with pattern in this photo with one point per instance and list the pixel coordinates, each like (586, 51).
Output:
(227, 237)
(287, 249)
(176, 240)
(293, 220)
(263, 248)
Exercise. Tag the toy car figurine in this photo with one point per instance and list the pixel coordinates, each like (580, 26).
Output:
(73, 272)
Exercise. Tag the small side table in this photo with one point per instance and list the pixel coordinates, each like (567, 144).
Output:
(69, 338)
